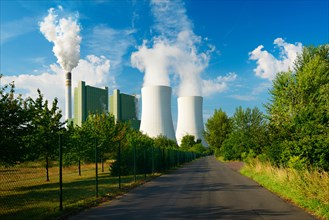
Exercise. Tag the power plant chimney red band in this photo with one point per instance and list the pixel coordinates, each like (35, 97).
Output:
(68, 79)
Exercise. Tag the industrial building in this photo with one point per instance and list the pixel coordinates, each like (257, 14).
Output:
(124, 108)
(89, 99)
(156, 116)
(190, 120)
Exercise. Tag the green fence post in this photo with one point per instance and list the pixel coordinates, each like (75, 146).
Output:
(119, 161)
(96, 165)
(164, 159)
(135, 162)
(144, 163)
(60, 173)
(152, 155)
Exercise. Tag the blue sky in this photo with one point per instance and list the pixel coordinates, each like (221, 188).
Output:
(236, 46)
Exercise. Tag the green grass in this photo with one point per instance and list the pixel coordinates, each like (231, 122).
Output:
(25, 193)
(307, 189)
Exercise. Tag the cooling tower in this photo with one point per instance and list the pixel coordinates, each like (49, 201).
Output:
(190, 118)
(68, 95)
(156, 112)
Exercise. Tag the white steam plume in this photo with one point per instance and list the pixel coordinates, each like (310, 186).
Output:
(64, 33)
(174, 51)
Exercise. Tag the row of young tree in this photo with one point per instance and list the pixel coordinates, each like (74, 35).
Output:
(294, 132)
(30, 129)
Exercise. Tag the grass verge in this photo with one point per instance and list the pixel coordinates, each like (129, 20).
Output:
(24, 193)
(307, 189)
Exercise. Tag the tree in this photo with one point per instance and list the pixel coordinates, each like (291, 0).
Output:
(45, 125)
(105, 133)
(188, 141)
(248, 135)
(299, 111)
(217, 128)
(135, 153)
(14, 120)
(164, 142)
(198, 148)
(105, 130)
(78, 146)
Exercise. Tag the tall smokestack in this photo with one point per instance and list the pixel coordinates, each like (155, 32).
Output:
(68, 95)
(156, 112)
(190, 119)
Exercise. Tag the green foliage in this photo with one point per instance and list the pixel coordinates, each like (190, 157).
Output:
(217, 129)
(249, 134)
(299, 112)
(139, 145)
(105, 132)
(14, 121)
(45, 126)
(308, 189)
(28, 128)
(164, 142)
(198, 148)
(295, 132)
(188, 141)
(78, 146)
(142, 154)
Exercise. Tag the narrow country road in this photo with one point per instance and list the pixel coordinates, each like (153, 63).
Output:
(202, 189)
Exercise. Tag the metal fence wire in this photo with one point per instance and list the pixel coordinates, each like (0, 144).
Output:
(26, 192)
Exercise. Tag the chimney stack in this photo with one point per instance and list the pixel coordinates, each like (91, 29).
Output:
(68, 95)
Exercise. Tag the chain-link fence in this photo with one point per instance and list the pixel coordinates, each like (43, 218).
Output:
(26, 193)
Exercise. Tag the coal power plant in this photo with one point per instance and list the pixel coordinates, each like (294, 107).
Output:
(156, 116)
(190, 120)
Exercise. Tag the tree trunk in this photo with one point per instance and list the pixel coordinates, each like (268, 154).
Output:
(102, 165)
(79, 168)
(47, 168)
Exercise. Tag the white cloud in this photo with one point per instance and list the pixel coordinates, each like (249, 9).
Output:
(268, 65)
(220, 84)
(93, 70)
(263, 87)
(243, 97)
(112, 43)
(16, 28)
(255, 92)
(170, 18)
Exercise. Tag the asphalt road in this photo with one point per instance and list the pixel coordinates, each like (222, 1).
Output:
(203, 189)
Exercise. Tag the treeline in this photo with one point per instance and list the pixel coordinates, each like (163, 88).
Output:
(294, 132)
(30, 129)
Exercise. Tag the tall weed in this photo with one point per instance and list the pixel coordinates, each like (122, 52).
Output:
(307, 188)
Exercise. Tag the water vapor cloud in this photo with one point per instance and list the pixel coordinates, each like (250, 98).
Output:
(64, 33)
(175, 50)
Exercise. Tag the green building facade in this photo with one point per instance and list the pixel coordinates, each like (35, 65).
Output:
(89, 99)
(124, 108)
